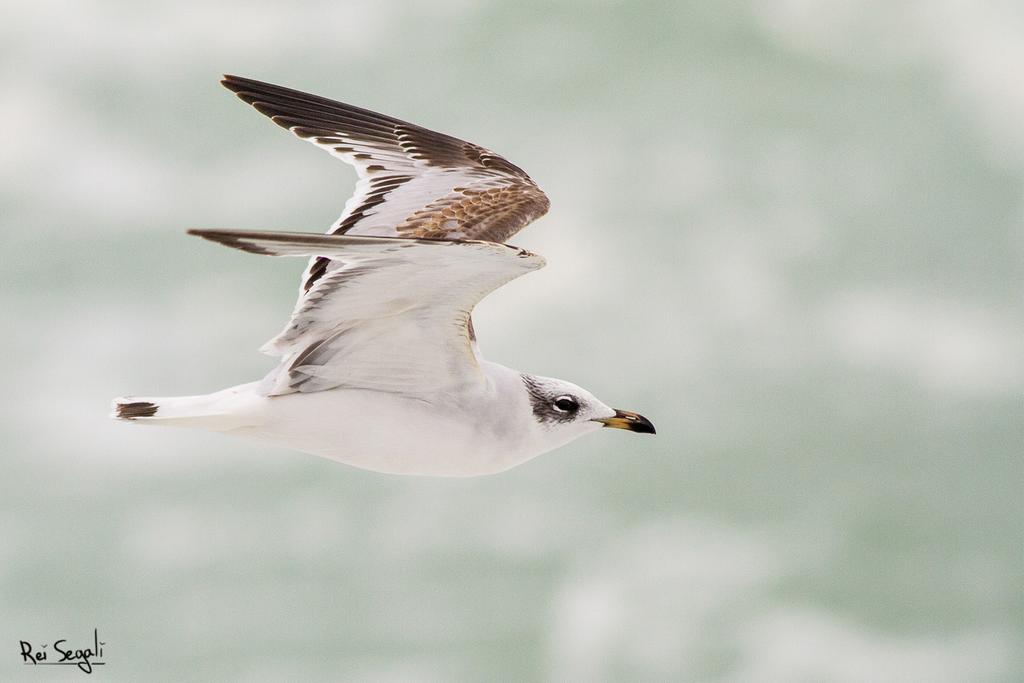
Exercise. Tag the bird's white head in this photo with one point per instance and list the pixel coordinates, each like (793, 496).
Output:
(564, 412)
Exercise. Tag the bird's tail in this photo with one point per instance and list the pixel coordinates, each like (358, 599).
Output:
(220, 411)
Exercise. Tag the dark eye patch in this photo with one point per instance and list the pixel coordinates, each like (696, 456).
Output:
(546, 410)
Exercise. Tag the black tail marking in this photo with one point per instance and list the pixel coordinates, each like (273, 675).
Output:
(130, 411)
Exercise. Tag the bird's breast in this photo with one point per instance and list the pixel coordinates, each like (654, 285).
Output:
(394, 434)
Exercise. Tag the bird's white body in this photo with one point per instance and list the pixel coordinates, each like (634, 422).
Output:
(471, 434)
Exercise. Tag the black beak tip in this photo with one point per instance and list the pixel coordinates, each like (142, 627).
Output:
(644, 426)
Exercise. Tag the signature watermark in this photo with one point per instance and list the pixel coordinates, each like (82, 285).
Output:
(62, 654)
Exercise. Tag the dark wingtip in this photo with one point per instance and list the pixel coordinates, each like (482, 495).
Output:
(242, 87)
(232, 82)
(233, 239)
(134, 409)
(249, 88)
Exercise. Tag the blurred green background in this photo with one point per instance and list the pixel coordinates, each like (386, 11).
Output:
(787, 231)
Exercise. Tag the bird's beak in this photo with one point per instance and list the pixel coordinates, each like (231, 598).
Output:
(625, 419)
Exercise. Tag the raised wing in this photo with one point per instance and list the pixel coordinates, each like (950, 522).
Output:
(413, 182)
(392, 317)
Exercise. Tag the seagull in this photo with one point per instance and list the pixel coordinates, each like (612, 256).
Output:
(379, 365)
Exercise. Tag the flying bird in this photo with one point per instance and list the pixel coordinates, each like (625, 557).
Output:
(379, 366)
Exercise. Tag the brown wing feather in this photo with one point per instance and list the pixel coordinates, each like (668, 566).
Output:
(493, 200)
(456, 189)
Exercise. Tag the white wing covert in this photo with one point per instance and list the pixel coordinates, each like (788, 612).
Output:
(391, 317)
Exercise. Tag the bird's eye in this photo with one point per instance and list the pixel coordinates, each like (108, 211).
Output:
(566, 404)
